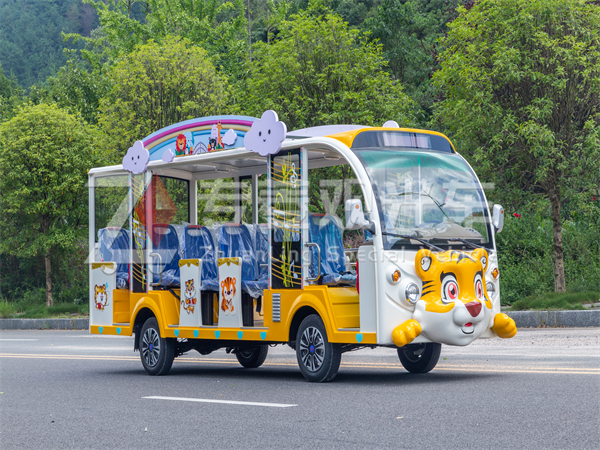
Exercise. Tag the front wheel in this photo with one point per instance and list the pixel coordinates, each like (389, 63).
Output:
(420, 358)
(254, 357)
(319, 360)
(157, 353)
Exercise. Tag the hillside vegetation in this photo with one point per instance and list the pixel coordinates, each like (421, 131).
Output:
(514, 83)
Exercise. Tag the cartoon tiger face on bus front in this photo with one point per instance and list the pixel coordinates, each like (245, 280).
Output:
(454, 307)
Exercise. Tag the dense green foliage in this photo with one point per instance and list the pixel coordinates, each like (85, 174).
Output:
(319, 71)
(515, 85)
(44, 157)
(556, 300)
(157, 85)
(521, 81)
(31, 46)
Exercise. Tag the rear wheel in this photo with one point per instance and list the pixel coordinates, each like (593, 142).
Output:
(319, 360)
(157, 353)
(420, 358)
(254, 357)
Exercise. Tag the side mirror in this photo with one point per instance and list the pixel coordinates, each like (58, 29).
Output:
(498, 218)
(355, 217)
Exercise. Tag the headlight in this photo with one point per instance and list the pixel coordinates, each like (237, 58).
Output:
(491, 288)
(412, 293)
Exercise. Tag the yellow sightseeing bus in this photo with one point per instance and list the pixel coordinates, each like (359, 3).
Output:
(233, 232)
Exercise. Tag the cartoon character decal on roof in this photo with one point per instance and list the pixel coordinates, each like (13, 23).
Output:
(454, 307)
(185, 143)
(266, 134)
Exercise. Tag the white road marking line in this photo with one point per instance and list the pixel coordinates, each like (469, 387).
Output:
(19, 339)
(227, 402)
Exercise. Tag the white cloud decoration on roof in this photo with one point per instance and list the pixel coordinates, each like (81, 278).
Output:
(391, 124)
(230, 137)
(136, 159)
(168, 155)
(266, 134)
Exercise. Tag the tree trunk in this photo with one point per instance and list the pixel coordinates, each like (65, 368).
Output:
(49, 299)
(559, 261)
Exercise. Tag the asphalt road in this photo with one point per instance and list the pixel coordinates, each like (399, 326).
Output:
(68, 389)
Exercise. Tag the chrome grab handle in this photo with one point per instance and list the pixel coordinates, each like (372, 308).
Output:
(152, 255)
(313, 244)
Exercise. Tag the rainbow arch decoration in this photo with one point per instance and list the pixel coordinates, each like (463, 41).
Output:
(201, 135)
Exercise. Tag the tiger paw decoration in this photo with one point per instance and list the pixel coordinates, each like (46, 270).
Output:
(504, 326)
(405, 333)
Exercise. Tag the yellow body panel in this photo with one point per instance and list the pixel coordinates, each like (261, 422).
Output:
(337, 306)
(347, 137)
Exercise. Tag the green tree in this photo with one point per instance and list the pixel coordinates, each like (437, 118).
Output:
(76, 88)
(158, 85)
(521, 81)
(318, 71)
(44, 157)
(216, 25)
(31, 45)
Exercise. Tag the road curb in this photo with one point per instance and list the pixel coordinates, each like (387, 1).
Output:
(579, 319)
(44, 324)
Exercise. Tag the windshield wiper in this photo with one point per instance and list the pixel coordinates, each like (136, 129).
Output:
(467, 243)
(435, 201)
(422, 241)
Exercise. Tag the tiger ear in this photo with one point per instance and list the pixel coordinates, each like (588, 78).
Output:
(481, 255)
(423, 262)
(234, 281)
(222, 284)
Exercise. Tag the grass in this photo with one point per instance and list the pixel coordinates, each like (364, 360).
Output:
(554, 301)
(22, 310)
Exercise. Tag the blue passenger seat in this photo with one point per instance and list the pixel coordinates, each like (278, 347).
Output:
(166, 243)
(114, 246)
(325, 233)
(198, 244)
(235, 241)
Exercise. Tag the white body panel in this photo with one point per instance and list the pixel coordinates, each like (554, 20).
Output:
(103, 282)
(230, 293)
(368, 290)
(189, 306)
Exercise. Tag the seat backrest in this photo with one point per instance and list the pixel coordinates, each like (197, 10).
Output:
(166, 243)
(235, 241)
(198, 243)
(324, 231)
(114, 246)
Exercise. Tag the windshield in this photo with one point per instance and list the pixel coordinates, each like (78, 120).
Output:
(428, 195)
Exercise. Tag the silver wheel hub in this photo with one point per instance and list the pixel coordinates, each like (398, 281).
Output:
(151, 347)
(312, 349)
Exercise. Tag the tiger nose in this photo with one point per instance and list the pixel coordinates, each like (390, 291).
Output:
(474, 308)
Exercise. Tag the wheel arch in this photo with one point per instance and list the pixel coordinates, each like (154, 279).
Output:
(302, 313)
(143, 312)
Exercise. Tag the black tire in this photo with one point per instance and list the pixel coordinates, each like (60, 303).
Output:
(254, 357)
(318, 359)
(420, 358)
(157, 353)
